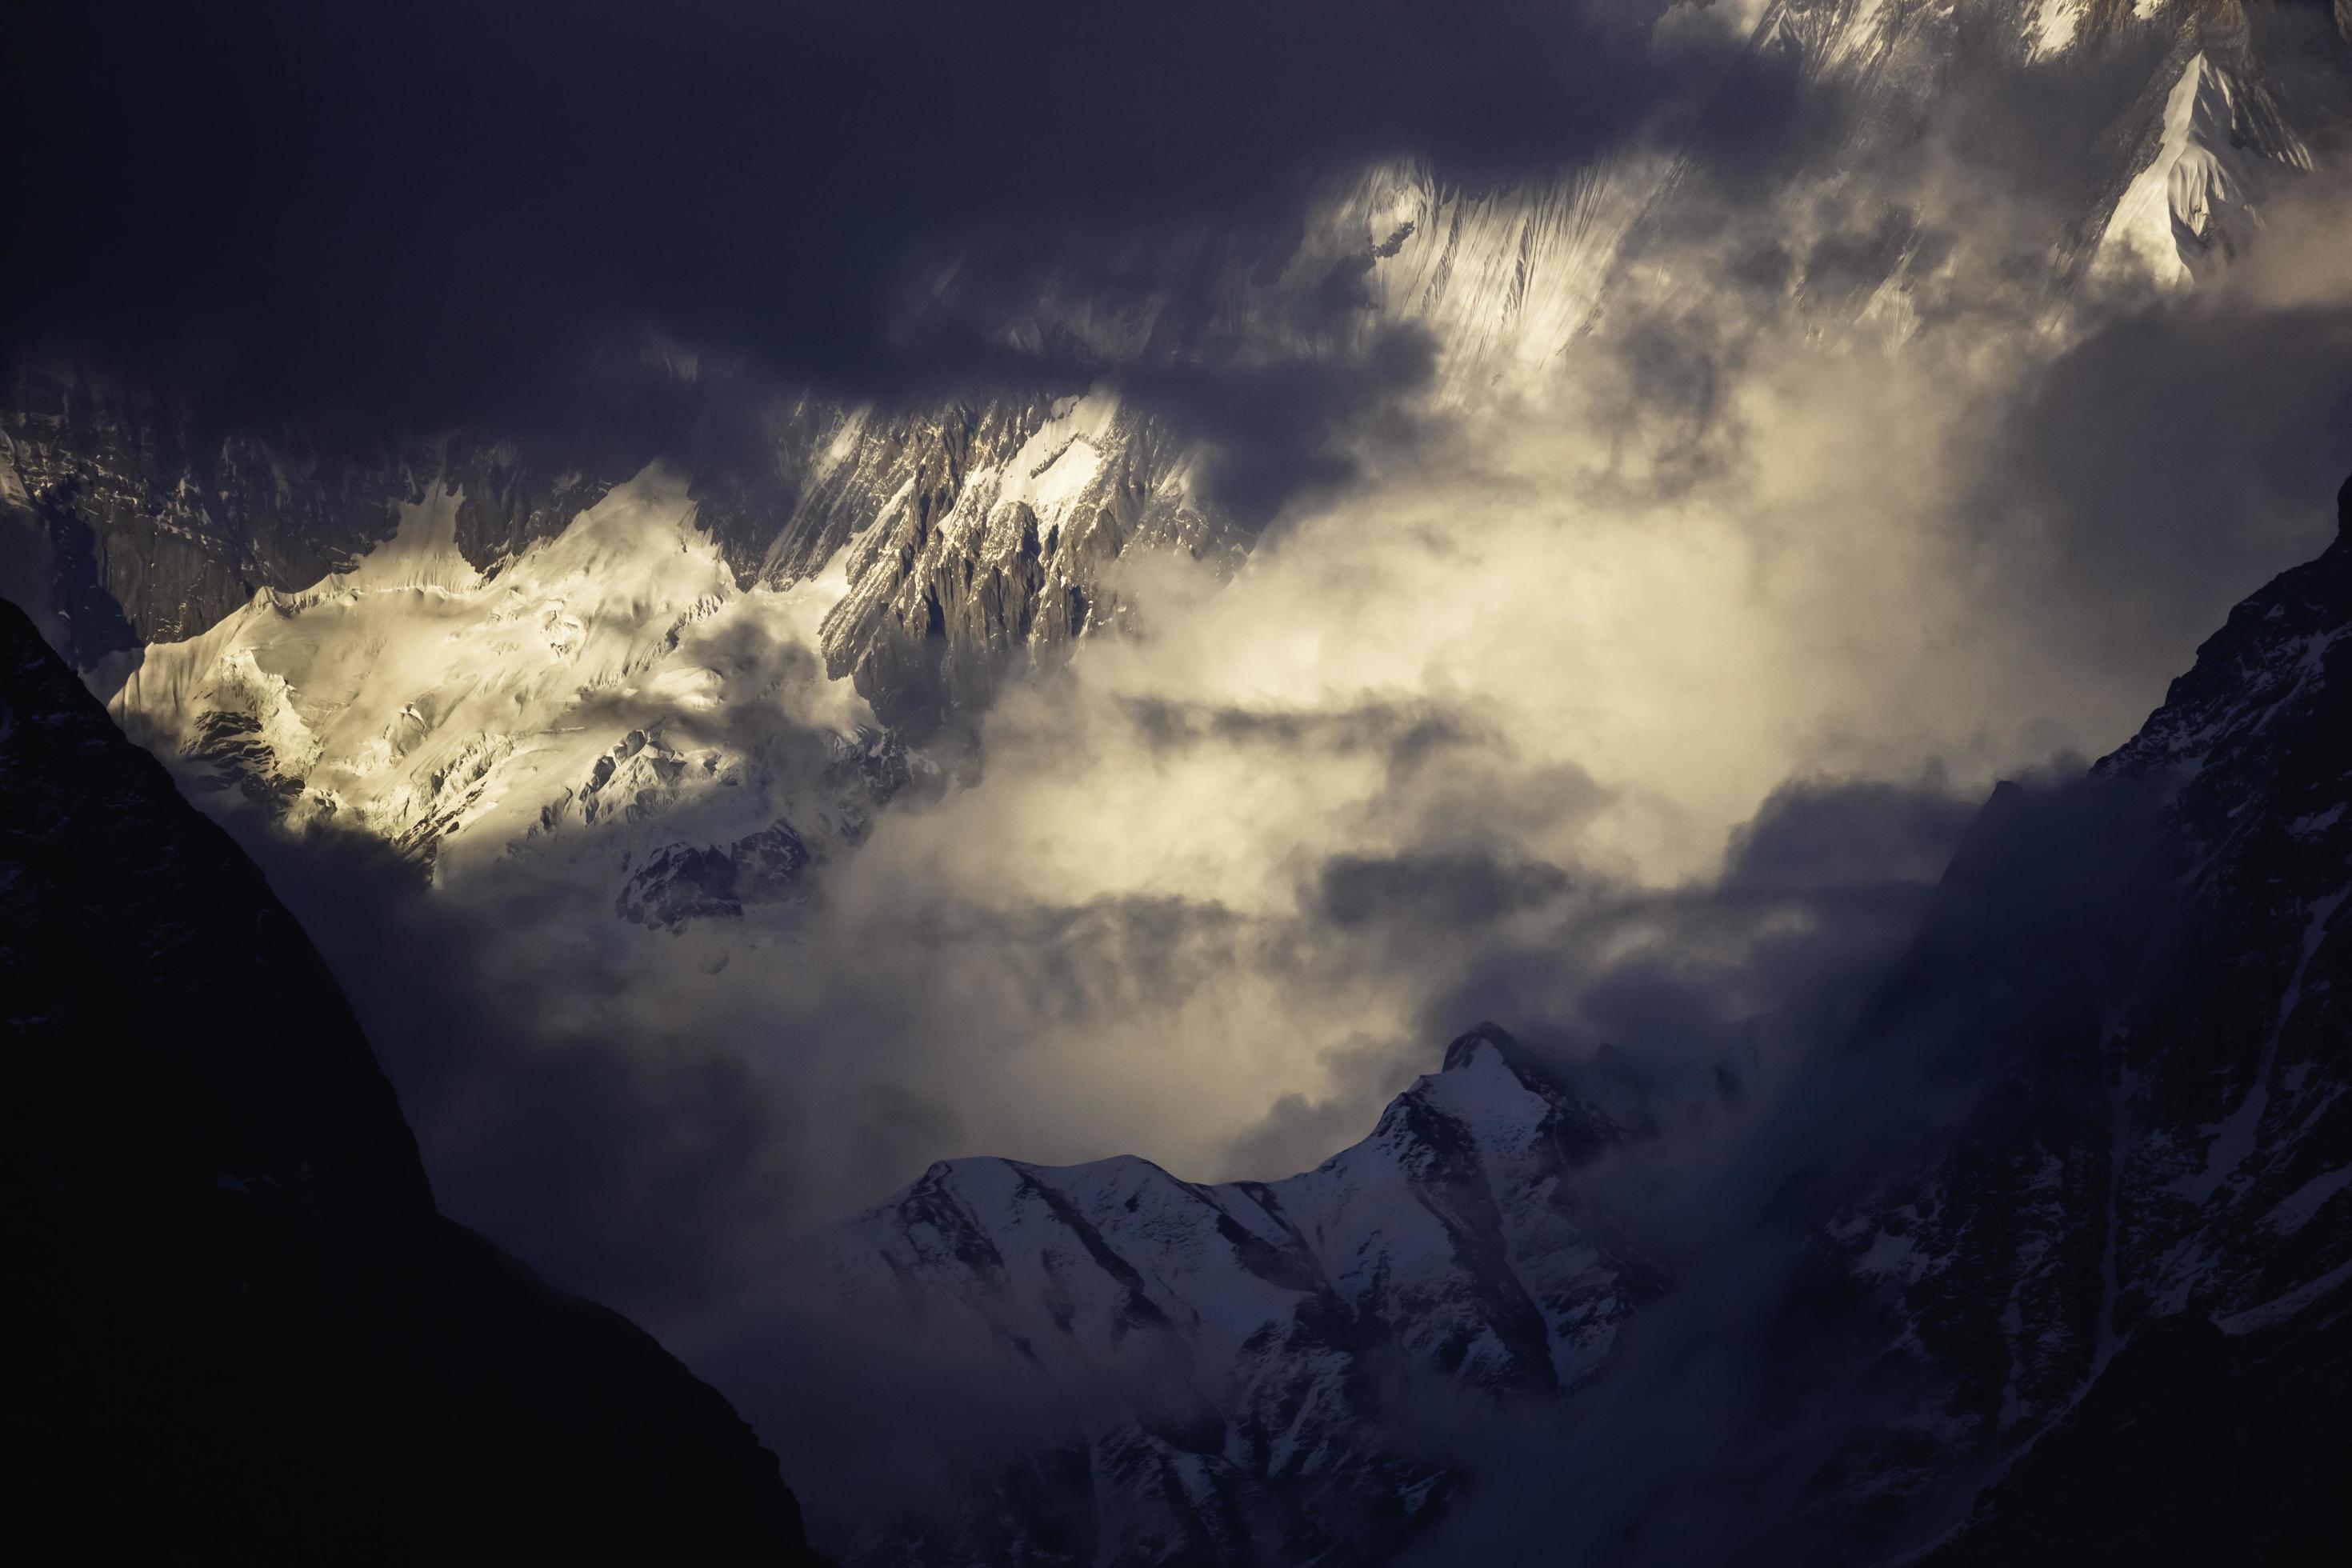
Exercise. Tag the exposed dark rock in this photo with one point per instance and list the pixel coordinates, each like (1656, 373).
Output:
(683, 882)
(2194, 1448)
(229, 747)
(2136, 997)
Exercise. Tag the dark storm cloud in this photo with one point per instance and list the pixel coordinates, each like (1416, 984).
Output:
(1815, 836)
(1819, 894)
(643, 1171)
(1409, 734)
(1266, 429)
(1682, 979)
(1455, 888)
(2172, 455)
(438, 208)
(2031, 138)
(1684, 1454)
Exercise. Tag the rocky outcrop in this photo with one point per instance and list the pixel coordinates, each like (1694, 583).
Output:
(683, 882)
(2162, 1137)
(2217, 1431)
(993, 544)
(239, 1328)
(159, 522)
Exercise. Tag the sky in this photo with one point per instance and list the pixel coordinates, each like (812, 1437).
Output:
(1627, 699)
(438, 209)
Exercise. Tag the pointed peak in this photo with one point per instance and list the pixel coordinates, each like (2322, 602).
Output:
(1486, 1038)
(2344, 511)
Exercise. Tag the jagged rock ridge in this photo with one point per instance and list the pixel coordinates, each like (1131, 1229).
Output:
(2176, 1154)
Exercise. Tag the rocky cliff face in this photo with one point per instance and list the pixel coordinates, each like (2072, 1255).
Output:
(2165, 1146)
(159, 522)
(239, 1327)
(610, 709)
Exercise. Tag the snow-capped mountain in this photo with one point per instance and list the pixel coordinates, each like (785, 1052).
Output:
(608, 678)
(1259, 1327)
(2126, 1120)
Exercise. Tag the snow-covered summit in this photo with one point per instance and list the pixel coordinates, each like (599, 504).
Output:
(1452, 1244)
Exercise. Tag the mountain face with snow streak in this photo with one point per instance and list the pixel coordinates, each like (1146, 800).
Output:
(1261, 1325)
(237, 1319)
(2163, 1147)
(2117, 1149)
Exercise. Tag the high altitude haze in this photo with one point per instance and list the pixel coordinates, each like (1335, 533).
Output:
(828, 611)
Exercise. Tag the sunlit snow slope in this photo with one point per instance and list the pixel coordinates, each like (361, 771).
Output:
(609, 690)
(926, 555)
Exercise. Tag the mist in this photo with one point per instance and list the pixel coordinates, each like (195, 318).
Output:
(1624, 707)
(1637, 699)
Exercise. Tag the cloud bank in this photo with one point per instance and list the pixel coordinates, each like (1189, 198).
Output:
(441, 210)
(1628, 712)
(1636, 704)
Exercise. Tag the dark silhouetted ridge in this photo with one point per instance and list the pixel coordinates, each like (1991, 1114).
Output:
(239, 1330)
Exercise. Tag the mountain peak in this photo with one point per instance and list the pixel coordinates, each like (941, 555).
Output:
(1449, 1245)
(1488, 1038)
